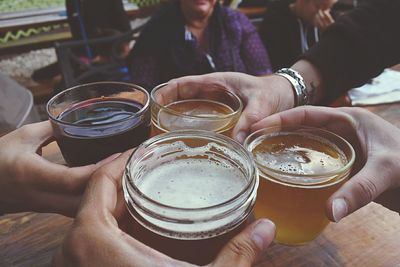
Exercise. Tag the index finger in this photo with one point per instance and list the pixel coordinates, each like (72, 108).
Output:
(306, 115)
(326, 18)
(186, 88)
(30, 137)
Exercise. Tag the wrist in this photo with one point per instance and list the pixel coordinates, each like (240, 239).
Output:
(282, 90)
(300, 93)
(312, 79)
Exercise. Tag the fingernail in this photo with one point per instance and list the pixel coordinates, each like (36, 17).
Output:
(339, 209)
(108, 159)
(261, 234)
(241, 136)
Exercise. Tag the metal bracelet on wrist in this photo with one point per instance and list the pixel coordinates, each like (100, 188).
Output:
(299, 87)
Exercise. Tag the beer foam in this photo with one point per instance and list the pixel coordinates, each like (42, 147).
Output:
(212, 151)
(303, 154)
(300, 160)
(192, 183)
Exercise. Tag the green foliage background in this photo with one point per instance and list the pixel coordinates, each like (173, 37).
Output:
(23, 5)
(15, 6)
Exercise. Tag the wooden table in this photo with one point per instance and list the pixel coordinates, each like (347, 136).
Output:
(369, 237)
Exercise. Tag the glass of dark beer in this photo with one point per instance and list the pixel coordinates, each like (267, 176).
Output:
(189, 193)
(93, 121)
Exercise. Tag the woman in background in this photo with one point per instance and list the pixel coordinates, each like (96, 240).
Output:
(190, 37)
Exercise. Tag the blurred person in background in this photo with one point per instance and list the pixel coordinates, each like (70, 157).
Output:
(88, 19)
(189, 37)
(289, 28)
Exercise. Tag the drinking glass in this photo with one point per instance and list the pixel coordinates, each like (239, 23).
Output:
(189, 193)
(300, 168)
(95, 120)
(194, 106)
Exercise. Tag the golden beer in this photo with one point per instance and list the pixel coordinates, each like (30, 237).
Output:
(212, 108)
(299, 170)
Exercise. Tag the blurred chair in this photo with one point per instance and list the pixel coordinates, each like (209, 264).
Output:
(78, 69)
(16, 105)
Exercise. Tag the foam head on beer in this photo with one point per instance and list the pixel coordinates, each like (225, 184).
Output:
(302, 154)
(192, 183)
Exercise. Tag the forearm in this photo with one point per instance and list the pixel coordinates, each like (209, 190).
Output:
(357, 47)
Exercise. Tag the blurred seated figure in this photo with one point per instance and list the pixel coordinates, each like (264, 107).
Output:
(290, 27)
(89, 19)
(190, 37)
(108, 61)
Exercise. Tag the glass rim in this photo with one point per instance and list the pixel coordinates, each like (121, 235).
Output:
(253, 174)
(323, 177)
(220, 87)
(76, 87)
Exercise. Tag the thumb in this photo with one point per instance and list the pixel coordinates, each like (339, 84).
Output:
(245, 248)
(360, 190)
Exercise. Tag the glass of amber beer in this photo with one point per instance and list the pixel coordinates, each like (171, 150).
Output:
(300, 168)
(194, 106)
(189, 193)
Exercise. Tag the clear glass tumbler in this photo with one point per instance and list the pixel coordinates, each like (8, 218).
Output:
(189, 193)
(93, 121)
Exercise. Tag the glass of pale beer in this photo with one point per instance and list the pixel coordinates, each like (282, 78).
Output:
(299, 168)
(194, 106)
(189, 193)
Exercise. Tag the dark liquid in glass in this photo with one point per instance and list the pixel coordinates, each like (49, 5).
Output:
(197, 251)
(98, 128)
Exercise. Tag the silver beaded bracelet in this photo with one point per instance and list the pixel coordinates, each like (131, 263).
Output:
(299, 87)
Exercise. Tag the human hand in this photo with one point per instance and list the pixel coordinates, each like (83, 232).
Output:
(96, 239)
(377, 145)
(28, 182)
(323, 19)
(261, 96)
